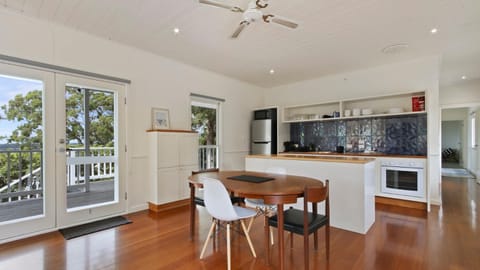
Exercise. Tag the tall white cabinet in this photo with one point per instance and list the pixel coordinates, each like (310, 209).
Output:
(173, 155)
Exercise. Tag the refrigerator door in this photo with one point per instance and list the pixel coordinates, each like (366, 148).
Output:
(261, 148)
(262, 130)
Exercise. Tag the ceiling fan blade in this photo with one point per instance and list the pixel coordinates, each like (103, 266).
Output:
(221, 5)
(284, 22)
(239, 29)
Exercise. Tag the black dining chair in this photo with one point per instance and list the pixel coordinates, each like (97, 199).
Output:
(304, 222)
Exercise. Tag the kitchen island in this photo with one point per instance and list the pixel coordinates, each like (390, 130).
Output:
(352, 184)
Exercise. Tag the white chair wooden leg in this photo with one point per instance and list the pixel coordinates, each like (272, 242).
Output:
(248, 238)
(250, 222)
(229, 261)
(208, 239)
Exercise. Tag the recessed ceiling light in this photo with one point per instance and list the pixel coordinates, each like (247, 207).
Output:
(176, 30)
(434, 30)
(272, 71)
(464, 77)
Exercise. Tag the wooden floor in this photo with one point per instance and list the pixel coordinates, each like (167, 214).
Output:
(446, 238)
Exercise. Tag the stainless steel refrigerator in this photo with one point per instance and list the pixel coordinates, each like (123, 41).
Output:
(261, 136)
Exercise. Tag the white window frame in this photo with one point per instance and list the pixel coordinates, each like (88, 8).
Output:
(473, 130)
(216, 104)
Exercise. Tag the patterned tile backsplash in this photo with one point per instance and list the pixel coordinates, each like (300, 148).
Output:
(404, 135)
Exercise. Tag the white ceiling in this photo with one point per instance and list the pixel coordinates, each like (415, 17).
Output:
(332, 37)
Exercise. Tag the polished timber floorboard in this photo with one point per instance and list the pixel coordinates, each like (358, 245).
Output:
(446, 238)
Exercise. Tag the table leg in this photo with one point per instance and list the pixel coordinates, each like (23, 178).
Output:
(192, 211)
(281, 246)
(267, 240)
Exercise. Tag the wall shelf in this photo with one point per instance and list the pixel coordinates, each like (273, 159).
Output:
(379, 105)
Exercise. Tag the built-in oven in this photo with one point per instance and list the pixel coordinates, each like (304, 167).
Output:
(403, 177)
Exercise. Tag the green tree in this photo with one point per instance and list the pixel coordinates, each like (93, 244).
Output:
(100, 115)
(204, 121)
(26, 110)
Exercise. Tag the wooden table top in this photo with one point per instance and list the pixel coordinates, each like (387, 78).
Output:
(282, 189)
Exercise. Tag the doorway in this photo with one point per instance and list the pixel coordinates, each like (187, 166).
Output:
(452, 142)
(61, 141)
(90, 149)
(459, 147)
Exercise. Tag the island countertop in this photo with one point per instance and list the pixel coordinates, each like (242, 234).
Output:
(338, 159)
(351, 188)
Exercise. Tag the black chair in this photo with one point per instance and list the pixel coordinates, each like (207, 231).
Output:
(304, 222)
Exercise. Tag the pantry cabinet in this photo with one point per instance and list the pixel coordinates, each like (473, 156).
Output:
(173, 155)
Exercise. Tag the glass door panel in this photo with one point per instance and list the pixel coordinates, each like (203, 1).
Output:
(26, 197)
(89, 174)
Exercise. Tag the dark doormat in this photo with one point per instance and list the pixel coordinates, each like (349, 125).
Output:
(96, 226)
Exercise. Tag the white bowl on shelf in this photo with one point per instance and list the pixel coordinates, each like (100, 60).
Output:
(367, 111)
(356, 112)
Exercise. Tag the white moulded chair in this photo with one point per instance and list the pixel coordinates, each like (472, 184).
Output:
(220, 207)
(267, 210)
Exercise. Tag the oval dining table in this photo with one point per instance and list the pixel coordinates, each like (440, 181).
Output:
(281, 189)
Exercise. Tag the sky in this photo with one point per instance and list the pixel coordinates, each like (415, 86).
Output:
(9, 88)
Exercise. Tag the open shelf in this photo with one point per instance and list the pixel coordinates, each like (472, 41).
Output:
(380, 106)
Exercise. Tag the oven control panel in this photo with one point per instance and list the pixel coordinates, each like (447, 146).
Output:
(402, 163)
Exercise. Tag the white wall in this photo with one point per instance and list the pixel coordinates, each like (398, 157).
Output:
(464, 94)
(416, 75)
(156, 82)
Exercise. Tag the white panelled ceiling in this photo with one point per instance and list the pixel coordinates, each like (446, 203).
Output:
(332, 37)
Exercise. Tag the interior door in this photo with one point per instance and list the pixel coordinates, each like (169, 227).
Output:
(27, 185)
(90, 154)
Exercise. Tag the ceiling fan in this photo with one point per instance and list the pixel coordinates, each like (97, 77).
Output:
(251, 14)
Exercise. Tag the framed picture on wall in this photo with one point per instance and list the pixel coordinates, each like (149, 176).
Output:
(160, 118)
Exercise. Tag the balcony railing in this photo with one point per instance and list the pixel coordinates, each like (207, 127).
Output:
(99, 164)
(207, 157)
(23, 180)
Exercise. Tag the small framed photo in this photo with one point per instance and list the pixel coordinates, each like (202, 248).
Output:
(160, 118)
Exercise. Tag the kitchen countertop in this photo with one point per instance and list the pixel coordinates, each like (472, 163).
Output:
(301, 156)
(349, 154)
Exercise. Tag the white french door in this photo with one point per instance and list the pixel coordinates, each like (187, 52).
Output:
(27, 151)
(90, 156)
(62, 150)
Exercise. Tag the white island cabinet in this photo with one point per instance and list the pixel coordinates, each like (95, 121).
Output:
(173, 155)
(352, 184)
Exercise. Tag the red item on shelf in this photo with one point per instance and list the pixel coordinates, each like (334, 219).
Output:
(418, 103)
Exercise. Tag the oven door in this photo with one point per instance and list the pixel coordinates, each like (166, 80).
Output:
(403, 181)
